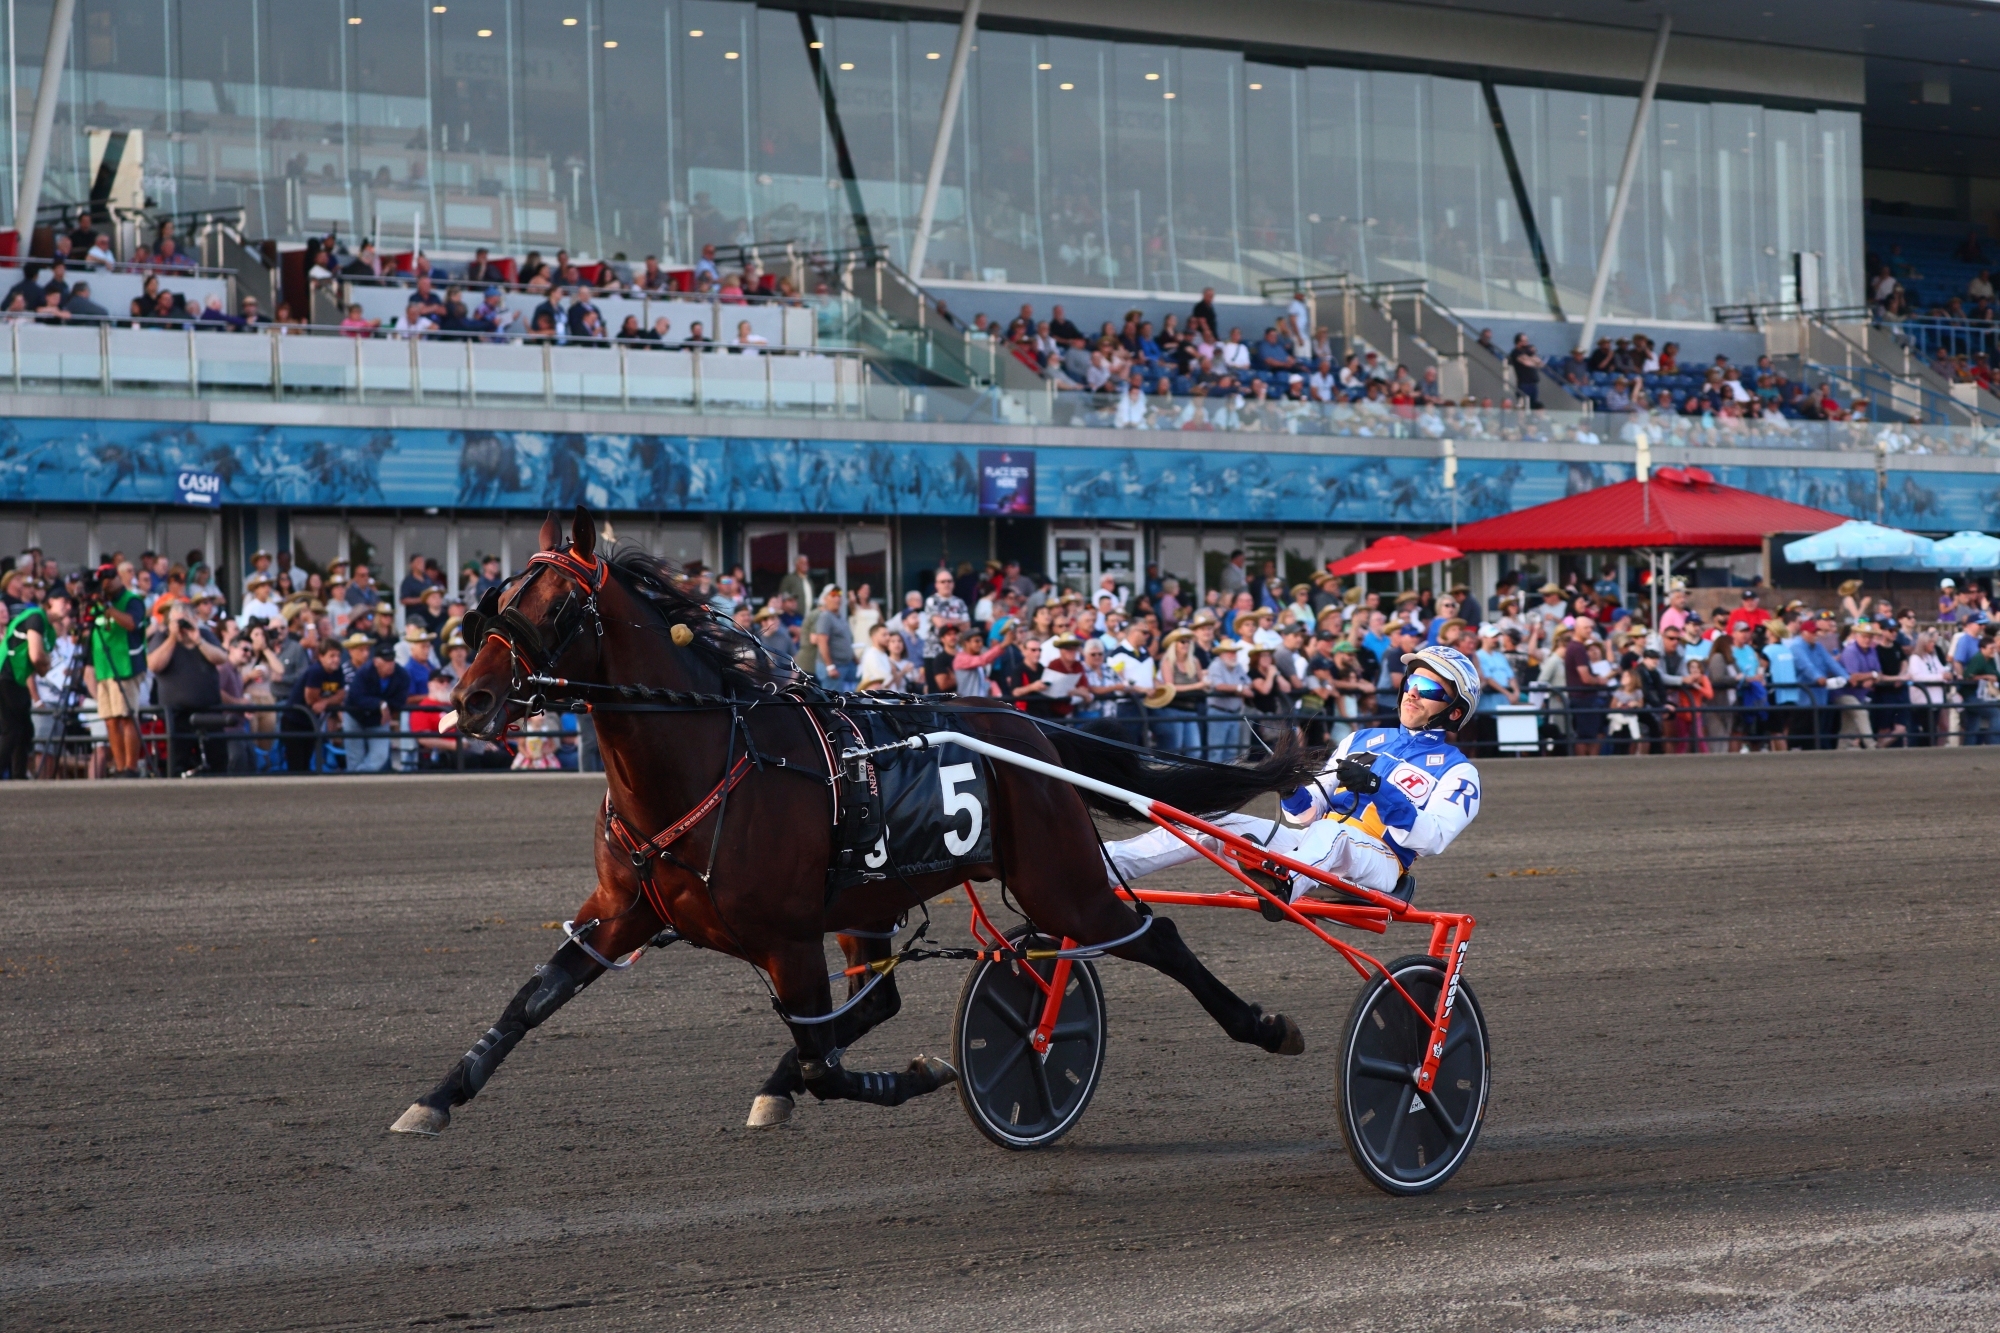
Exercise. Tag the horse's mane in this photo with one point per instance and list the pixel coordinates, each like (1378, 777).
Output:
(724, 649)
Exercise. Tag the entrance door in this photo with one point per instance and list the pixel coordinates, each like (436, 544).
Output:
(1080, 559)
(843, 556)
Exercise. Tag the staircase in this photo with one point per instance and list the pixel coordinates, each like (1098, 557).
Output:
(1849, 345)
(1406, 326)
(916, 346)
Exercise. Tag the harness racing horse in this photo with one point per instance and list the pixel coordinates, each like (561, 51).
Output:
(717, 825)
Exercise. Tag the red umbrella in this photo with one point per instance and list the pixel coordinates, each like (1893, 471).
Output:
(1392, 554)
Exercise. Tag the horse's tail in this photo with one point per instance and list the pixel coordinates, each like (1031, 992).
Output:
(1192, 785)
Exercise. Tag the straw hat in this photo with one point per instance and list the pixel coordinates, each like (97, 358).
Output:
(416, 633)
(1162, 695)
(1229, 645)
(1201, 618)
(357, 641)
(1066, 641)
(1176, 636)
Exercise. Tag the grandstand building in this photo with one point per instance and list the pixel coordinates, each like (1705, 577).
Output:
(900, 183)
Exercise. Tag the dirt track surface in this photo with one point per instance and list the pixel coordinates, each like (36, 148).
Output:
(1744, 1057)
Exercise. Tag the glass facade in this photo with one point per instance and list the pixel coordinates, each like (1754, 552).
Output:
(641, 126)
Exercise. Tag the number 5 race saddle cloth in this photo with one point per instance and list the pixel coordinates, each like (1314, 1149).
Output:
(906, 812)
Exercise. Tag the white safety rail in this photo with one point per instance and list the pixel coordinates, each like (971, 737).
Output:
(287, 365)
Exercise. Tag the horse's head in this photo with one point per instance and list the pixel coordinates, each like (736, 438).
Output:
(543, 622)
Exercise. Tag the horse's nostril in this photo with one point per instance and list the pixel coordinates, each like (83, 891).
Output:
(479, 701)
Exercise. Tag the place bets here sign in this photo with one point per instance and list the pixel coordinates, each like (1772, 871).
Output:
(198, 488)
(1006, 483)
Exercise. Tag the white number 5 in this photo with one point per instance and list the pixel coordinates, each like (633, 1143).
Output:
(949, 776)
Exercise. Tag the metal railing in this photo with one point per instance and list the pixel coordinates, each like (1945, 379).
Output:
(226, 740)
(295, 363)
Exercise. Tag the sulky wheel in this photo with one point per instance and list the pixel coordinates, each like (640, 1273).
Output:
(1017, 1098)
(1406, 1141)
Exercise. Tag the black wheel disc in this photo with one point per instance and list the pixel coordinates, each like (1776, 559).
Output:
(1017, 1098)
(1404, 1140)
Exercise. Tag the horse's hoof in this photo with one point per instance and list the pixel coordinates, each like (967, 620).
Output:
(1290, 1040)
(420, 1119)
(767, 1111)
(941, 1074)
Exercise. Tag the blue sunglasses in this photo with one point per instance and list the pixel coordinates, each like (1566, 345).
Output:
(1426, 688)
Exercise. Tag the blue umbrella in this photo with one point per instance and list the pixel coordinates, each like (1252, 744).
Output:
(1965, 551)
(1860, 545)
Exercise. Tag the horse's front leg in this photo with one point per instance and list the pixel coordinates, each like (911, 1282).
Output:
(778, 1097)
(554, 984)
(798, 974)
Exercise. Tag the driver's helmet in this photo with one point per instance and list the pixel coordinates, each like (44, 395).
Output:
(1457, 670)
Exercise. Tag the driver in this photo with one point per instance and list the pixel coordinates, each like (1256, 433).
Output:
(1387, 796)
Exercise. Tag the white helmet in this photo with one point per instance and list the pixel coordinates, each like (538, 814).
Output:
(1458, 672)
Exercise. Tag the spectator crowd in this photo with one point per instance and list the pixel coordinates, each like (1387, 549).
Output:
(309, 671)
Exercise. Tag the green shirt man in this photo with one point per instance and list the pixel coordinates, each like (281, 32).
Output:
(115, 651)
(15, 656)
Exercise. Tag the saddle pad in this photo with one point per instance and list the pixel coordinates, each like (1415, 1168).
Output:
(927, 810)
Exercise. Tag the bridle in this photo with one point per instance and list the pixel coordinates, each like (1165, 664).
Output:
(532, 652)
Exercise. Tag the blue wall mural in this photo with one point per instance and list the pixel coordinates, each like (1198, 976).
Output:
(131, 462)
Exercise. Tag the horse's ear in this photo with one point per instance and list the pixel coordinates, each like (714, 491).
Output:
(582, 537)
(551, 532)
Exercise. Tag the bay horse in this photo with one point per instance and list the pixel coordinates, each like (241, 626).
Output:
(736, 793)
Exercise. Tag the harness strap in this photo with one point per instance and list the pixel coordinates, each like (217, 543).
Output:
(642, 852)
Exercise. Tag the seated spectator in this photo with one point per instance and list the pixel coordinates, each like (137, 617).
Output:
(1234, 355)
(367, 265)
(1272, 354)
(748, 339)
(653, 278)
(28, 289)
(586, 322)
(81, 307)
(1062, 330)
(57, 280)
(99, 253)
(358, 325)
(534, 273)
(482, 271)
(414, 322)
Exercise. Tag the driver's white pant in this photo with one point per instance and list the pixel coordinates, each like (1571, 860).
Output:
(1337, 848)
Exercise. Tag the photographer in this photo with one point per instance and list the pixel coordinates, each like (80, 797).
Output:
(317, 691)
(117, 645)
(24, 654)
(184, 658)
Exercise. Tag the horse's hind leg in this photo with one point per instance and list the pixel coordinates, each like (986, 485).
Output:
(1163, 949)
(553, 985)
(776, 1100)
(799, 974)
